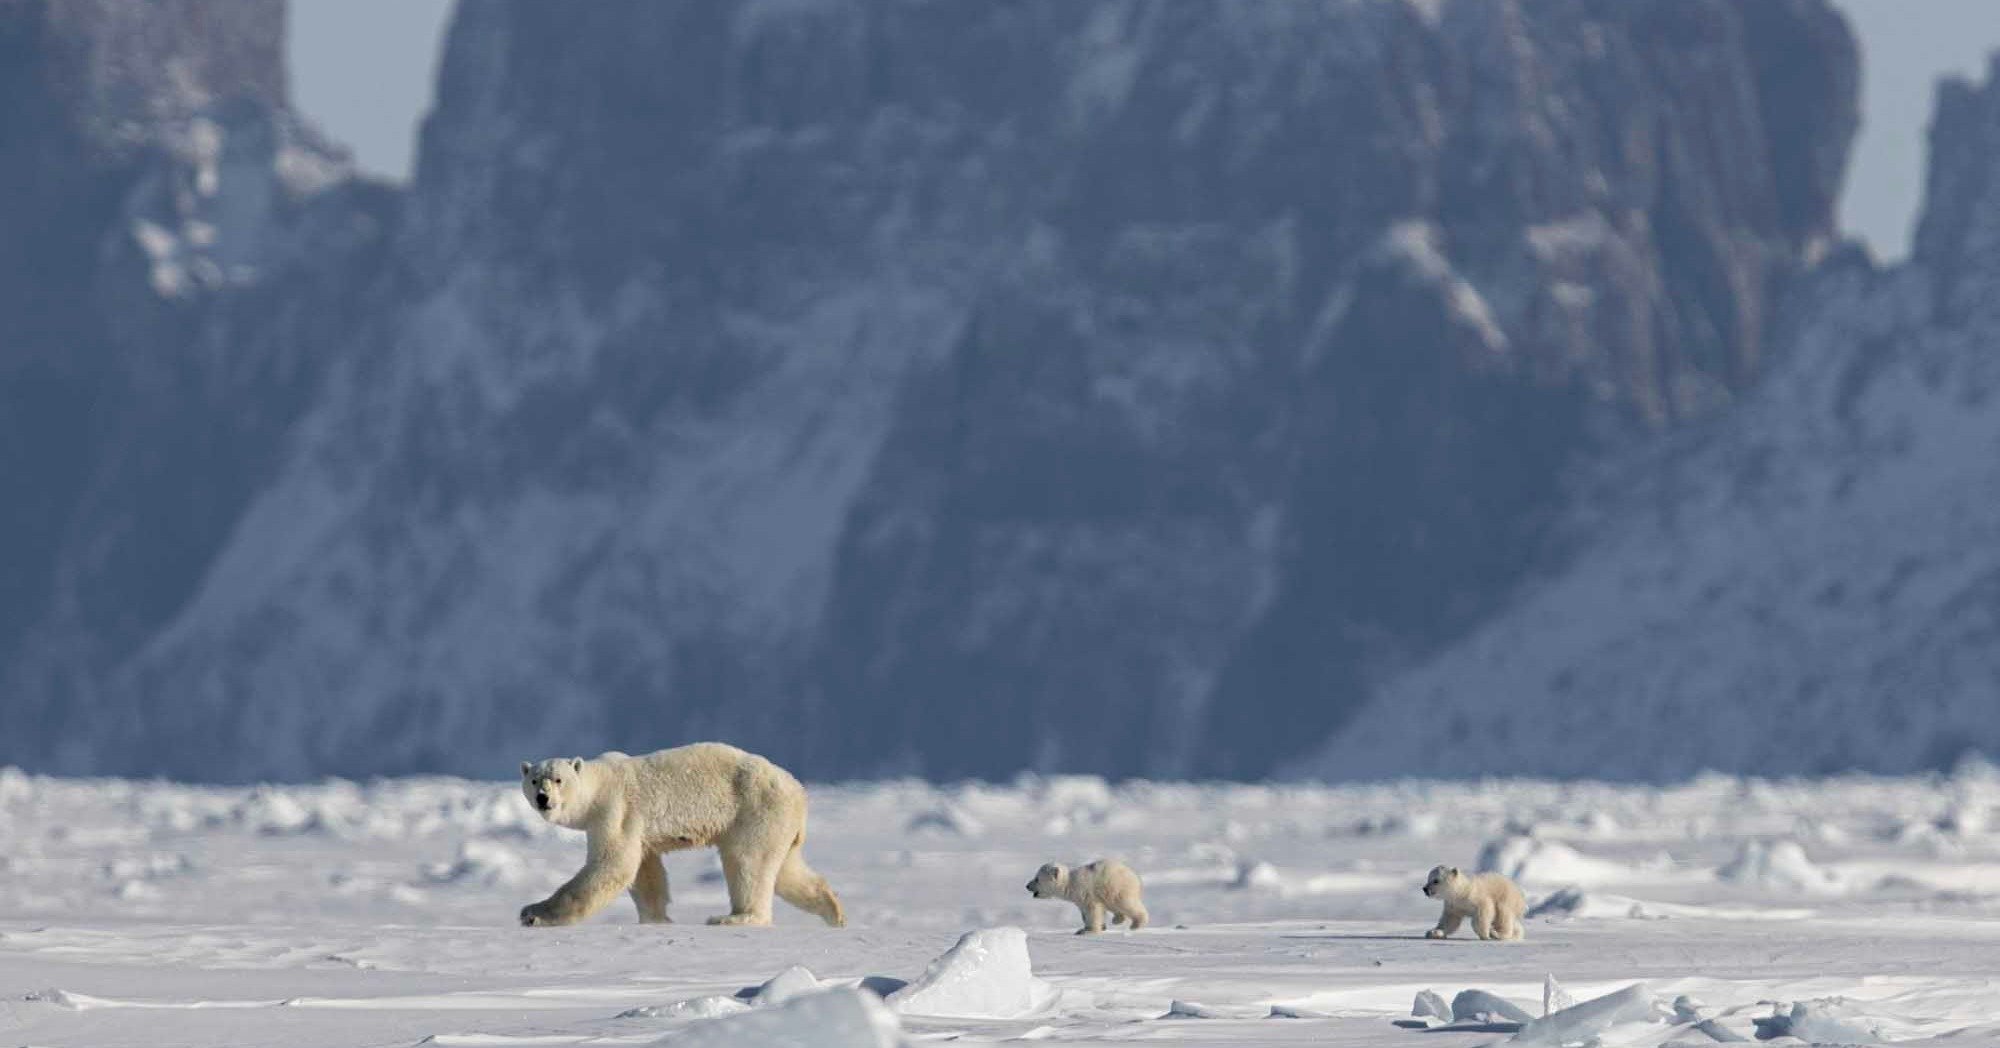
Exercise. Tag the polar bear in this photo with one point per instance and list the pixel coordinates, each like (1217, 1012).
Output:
(1106, 884)
(1493, 902)
(636, 809)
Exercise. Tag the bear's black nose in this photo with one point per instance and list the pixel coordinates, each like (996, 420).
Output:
(542, 801)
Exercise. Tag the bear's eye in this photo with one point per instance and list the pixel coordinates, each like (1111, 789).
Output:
(558, 782)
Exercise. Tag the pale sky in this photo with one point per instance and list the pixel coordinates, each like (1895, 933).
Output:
(363, 70)
(1906, 45)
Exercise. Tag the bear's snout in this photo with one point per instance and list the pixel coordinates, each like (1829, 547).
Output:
(542, 801)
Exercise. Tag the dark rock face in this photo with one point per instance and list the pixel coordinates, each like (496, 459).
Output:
(1109, 386)
(1807, 585)
(169, 231)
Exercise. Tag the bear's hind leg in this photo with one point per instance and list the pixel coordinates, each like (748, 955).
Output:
(750, 867)
(1136, 914)
(649, 890)
(804, 888)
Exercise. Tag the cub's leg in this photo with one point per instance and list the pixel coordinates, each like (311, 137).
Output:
(1447, 924)
(1093, 917)
(1482, 921)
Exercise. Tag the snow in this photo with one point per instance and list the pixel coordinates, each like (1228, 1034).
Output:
(837, 1018)
(342, 913)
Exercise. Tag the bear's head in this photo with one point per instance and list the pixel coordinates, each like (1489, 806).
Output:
(1442, 880)
(1050, 882)
(559, 788)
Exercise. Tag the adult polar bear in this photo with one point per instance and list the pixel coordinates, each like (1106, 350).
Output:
(636, 809)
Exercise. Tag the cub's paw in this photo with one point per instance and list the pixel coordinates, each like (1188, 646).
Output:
(538, 915)
(1434, 933)
(748, 920)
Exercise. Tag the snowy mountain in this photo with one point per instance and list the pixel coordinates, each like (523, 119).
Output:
(1810, 582)
(886, 386)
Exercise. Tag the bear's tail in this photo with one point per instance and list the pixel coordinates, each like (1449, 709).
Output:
(804, 888)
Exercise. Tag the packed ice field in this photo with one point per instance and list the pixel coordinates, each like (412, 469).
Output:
(1850, 910)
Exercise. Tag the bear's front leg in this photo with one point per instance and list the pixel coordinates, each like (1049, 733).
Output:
(606, 874)
(1093, 918)
(1447, 924)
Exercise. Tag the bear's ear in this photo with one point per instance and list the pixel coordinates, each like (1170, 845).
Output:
(526, 767)
(577, 763)
(1454, 871)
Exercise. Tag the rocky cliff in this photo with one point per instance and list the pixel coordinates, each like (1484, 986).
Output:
(1118, 386)
(1807, 584)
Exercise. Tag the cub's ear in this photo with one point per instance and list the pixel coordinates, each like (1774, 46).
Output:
(1454, 871)
(576, 762)
(526, 767)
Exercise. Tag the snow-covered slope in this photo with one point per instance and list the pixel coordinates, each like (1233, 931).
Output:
(1813, 582)
(951, 388)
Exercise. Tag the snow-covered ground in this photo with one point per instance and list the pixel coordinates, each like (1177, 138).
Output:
(1846, 910)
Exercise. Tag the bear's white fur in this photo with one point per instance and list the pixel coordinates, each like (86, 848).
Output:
(1493, 902)
(1106, 884)
(636, 809)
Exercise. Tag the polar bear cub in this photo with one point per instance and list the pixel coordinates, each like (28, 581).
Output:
(636, 809)
(1106, 884)
(1493, 902)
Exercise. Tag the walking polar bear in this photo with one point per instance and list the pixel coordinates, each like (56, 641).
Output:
(1106, 884)
(636, 809)
(1493, 902)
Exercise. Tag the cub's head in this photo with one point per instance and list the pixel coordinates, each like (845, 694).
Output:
(556, 788)
(1442, 879)
(1049, 881)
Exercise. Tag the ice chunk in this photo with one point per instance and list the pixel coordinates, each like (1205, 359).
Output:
(1554, 997)
(1480, 1006)
(782, 987)
(1965, 820)
(1258, 877)
(1179, 1009)
(836, 1018)
(694, 1008)
(275, 812)
(1584, 1023)
(1420, 824)
(1832, 1020)
(1575, 902)
(948, 820)
(484, 863)
(1532, 860)
(986, 974)
(1780, 866)
(1430, 1005)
